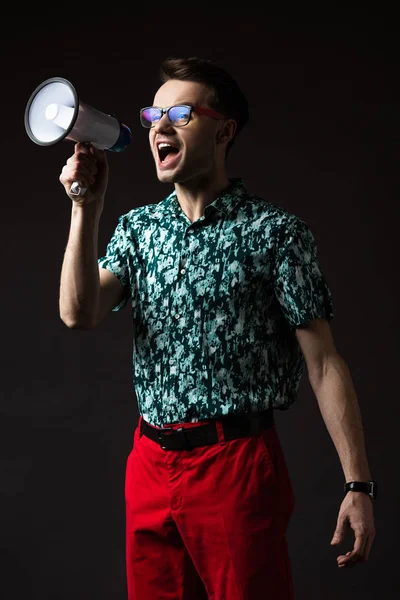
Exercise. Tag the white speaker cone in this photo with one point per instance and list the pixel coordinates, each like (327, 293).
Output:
(60, 115)
(53, 93)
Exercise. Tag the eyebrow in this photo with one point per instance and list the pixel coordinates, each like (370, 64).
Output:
(176, 104)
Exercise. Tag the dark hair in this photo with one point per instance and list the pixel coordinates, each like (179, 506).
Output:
(225, 94)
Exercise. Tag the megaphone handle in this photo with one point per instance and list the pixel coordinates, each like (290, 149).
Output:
(76, 189)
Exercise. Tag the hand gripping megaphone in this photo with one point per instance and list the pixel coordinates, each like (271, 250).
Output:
(54, 113)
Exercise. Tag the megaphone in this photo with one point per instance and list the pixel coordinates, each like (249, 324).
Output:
(54, 113)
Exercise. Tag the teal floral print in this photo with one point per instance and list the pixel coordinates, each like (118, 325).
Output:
(216, 303)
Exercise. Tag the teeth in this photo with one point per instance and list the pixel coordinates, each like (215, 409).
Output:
(164, 145)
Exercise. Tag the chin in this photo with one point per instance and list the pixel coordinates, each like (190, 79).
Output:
(171, 176)
(166, 177)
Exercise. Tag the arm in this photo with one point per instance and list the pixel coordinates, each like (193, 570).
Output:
(87, 292)
(331, 382)
(80, 281)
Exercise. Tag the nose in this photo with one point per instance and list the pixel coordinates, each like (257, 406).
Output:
(163, 125)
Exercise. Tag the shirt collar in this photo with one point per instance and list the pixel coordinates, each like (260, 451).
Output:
(225, 202)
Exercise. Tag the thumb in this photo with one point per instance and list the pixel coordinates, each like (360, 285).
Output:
(99, 155)
(338, 535)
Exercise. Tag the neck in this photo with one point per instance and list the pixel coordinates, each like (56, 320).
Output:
(196, 194)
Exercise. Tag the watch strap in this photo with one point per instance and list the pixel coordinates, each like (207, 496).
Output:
(368, 487)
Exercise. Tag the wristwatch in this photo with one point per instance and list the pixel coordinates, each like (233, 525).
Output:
(368, 487)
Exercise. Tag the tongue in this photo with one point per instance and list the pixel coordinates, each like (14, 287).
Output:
(170, 157)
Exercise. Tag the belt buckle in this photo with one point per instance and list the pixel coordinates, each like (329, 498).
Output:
(181, 431)
(159, 439)
(187, 444)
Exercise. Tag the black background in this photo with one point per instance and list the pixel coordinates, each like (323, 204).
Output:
(322, 143)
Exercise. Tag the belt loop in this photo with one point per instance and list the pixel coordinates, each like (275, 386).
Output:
(220, 431)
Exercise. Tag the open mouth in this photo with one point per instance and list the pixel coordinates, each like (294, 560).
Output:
(166, 150)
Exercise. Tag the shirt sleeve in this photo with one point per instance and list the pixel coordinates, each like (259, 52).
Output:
(116, 260)
(300, 285)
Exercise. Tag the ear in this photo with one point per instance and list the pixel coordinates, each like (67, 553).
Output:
(226, 132)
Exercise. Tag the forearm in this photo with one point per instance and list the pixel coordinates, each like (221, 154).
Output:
(80, 285)
(340, 411)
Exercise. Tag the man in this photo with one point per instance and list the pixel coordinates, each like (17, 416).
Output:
(228, 300)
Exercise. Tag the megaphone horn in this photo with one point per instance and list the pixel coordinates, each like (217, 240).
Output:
(54, 113)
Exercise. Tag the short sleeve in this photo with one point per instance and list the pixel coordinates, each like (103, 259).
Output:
(300, 285)
(116, 260)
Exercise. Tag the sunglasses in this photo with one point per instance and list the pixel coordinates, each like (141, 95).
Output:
(178, 116)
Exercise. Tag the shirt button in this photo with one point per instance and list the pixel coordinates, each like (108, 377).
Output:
(176, 316)
(183, 271)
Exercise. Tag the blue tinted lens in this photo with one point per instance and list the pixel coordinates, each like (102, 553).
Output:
(148, 116)
(179, 115)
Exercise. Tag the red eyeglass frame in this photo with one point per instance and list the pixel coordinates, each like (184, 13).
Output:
(209, 112)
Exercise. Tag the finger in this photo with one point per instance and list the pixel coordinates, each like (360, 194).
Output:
(81, 147)
(368, 546)
(99, 155)
(78, 167)
(339, 531)
(350, 559)
(81, 158)
(358, 548)
(74, 171)
(355, 555)
(67, 178)
(341, 560)
(81, 181)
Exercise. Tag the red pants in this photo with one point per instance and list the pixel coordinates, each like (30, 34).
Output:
(208, 522)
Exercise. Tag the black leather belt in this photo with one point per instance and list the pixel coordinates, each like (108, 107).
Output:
(234, 426)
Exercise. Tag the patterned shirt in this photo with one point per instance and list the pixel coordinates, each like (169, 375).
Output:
(215, 304)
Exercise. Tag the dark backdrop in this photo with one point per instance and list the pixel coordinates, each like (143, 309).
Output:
(322, 143)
